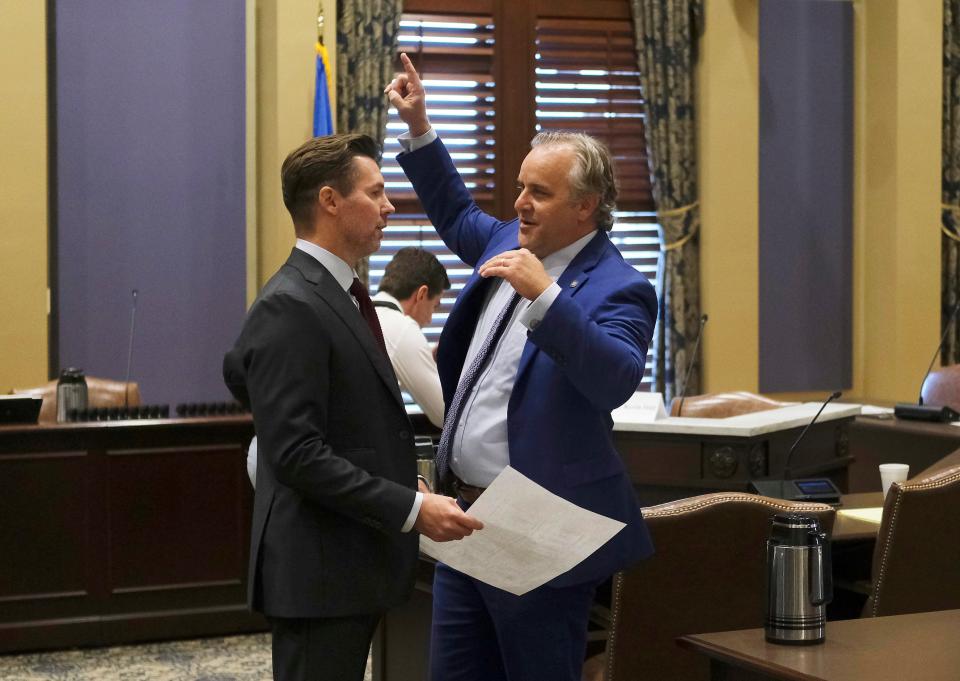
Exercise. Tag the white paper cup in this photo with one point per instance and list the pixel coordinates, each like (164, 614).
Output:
(892, 472)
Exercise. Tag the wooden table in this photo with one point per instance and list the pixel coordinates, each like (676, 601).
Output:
(845, 528)
(874, 441)
(918, 647)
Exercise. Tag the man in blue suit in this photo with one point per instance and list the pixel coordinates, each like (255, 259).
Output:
(548, 336)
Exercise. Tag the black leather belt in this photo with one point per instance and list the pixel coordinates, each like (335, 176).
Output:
(469, 493)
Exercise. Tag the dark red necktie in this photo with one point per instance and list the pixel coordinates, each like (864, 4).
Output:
(359, 291)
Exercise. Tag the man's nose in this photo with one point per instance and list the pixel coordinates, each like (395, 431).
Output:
(521, 201)
(387, 207)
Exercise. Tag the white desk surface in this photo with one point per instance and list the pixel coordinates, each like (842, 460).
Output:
(745, 425)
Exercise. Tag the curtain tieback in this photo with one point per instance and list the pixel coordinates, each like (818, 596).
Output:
(676, 212)
(956, 213)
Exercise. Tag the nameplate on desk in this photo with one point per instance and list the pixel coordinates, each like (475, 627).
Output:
(645, 407)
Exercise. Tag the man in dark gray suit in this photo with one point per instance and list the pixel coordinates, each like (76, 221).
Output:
(332, 545)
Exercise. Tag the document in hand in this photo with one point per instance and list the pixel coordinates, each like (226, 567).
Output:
(529, 536)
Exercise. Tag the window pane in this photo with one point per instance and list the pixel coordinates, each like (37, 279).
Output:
(586, 79)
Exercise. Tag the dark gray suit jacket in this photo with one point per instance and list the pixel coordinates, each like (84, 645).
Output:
(336, 475)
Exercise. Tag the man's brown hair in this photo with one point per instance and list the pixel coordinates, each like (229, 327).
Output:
(412, 268)
(319, 162)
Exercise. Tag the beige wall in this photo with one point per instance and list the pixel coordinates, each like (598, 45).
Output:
(727, 119)
(23, 194)
(898, 170)
(896, 195)
(286, 31)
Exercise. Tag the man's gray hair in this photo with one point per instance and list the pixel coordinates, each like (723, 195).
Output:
(592, 172)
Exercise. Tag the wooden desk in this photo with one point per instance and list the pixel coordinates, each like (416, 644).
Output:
(847, 529)
(918, 647)
(123, 531)
(875, 441)
(722, 455)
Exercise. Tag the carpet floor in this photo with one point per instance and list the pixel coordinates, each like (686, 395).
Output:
(231, 658)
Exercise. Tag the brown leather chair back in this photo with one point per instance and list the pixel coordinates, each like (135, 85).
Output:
(950, 460)
(707, 575)
(942, 387)
(916, 562)
(722, 405)
(101, 392)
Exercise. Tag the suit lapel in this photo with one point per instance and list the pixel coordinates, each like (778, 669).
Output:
(571, 281)
(462, 322)
(330, 291)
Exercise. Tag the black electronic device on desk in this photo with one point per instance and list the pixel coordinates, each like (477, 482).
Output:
(925, 412)
(19, 409)
(821, 490)
(929, 412)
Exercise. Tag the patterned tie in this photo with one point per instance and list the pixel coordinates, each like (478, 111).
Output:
(359, 291)
(467, 382)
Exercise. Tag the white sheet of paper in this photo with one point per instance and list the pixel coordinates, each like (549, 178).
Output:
(529, 536)
(644, 407)
(870, 515)
(873, 410)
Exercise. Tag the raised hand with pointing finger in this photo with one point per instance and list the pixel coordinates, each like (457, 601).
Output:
(407, 95)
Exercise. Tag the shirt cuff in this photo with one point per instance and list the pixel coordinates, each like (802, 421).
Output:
(413, 143)
(414, 512)
(531, 316)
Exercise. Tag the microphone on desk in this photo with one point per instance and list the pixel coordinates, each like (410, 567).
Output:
(810, 489)
(786, 464)
(925, 412)
(693, 360)
(126, 378)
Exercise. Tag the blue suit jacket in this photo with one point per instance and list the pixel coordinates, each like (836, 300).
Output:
(585, 358)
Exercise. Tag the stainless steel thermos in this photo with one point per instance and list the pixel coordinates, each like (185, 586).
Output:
(799, 580)
(426, 466)
(71, 393)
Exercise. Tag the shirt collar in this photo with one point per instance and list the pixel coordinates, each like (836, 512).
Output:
(340, 270)
(557, 262)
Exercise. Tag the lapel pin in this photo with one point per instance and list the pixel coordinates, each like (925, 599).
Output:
(573, 284)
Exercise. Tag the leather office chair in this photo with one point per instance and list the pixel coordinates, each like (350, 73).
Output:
(950, 460)
(942, 387)
(916, 561)
(707, 575)
(722, 405)
(101, 392)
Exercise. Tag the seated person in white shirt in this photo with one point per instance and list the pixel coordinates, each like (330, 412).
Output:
(409, 294)
(410, 291)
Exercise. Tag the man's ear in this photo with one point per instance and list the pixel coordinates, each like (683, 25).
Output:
(329, 200)
(422, 293)
(587, 206)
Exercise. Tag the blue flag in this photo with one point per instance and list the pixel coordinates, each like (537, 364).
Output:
(322, 120)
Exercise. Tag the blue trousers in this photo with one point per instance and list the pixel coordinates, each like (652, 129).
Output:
(481, 633)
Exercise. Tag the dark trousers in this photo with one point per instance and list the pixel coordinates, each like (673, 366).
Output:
(481, 633)
(328, 649)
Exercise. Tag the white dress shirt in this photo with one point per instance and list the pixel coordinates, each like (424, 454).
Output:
(344, 275)
(480, 449)
(411, 356)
